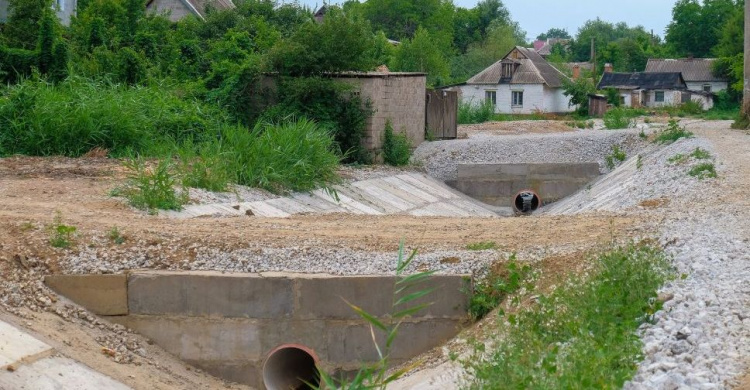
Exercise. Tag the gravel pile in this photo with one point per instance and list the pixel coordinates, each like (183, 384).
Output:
(441, 158)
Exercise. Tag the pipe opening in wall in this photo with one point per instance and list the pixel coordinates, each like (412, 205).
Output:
(290, 366)
(526, 202)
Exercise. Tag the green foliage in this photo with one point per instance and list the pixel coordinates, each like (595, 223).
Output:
(131, 68)
(468, 112)
(697, 153)
(617, 155)
(672, 133)
(490, 292)
(691, 108)
(77, 115)
(617, 118)
(205, 165)
(639, 163)
(703, 171)
(59, 67)
(339, 44)
(583, 334)
(288, 156)
(407, 294)
(422, 54)
(396, 147)
(24, 21)
(613, 96)
(481, 245)
(61, 235)
(581, 124)
(694, 30)
(116, 236)
(15, 64)
(152, 188)
(578, 90)
(554, 33)
(332, 104)
(46, 41)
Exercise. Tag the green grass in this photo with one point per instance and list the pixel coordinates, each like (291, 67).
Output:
(617, 155)
(619, 118)
(697, 153)
(672, 133)
(116, 235)
(582, 335)
(703, 171)
(481, 245)
(396, 147)
(152, 188)
(469, 113)
(487, 294)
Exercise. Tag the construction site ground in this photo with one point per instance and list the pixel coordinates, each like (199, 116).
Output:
(36, 190)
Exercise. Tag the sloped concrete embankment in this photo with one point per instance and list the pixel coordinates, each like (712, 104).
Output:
(226, 324)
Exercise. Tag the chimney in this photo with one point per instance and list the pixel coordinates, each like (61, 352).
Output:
(576, 71)
(607, 68)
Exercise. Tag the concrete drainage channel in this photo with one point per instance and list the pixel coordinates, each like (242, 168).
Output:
(267, 330)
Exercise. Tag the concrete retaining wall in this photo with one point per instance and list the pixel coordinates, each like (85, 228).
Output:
(496, 184)
(226, 324)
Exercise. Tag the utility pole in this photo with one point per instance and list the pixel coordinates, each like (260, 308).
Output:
(746, 85)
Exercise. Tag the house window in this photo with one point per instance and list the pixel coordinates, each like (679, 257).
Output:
(517, 98)
(659, 96)
(706, 87)
(490, 97)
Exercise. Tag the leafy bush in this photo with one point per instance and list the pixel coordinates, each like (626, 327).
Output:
(16, 64)
(396, 147)
(61, 235)
(613, 97)
(582, 335)
(672, 133)
(578, 90)
(152, 188)
(617, 118)
(475, 113)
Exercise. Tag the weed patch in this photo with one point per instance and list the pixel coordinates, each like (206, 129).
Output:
(703, 171)
(151, 188)
(396, 147)
(672, 133)
(469, 113)
(582, 335)
(617, 155)
(115, 235)
(61, 235)
(490, 292)
(481, 245)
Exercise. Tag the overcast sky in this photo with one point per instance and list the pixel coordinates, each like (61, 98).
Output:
(537, 16)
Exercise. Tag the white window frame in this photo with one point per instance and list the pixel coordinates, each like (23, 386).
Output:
(514, 102)
(493, 94)
(656, 96)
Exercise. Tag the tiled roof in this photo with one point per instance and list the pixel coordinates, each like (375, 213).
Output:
(692, 69)
(531, 69)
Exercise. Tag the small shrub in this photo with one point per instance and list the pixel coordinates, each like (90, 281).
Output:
(703, 171)
(61, 235)
(691, 108)
(115, 235)
(481, 246)
(617, 118)
(678, 158)
(700, 154)
(469, 113)
(152, 188)
(396, 147)
(617, 155)
(672, 133)
(490, 292)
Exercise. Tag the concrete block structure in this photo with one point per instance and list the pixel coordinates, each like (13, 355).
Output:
(228, 324)
(398, 97)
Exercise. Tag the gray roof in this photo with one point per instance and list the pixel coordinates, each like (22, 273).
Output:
(692, 69)
(642, 80)
(531, 69)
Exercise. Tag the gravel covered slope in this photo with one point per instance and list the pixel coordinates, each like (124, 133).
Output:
(441, 158)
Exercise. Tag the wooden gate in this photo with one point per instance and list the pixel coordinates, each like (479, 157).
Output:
(442, 114)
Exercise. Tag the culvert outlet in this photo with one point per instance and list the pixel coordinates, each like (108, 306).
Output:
(526, 202)
(290, 366)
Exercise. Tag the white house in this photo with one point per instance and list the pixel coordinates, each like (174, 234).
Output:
(522, 82)
(697, 72)
(652, 89)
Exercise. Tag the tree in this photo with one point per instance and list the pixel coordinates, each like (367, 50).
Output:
(696, 28)
(500, 40)
(59, 68)
(422, 54)
(24, 17)
(554, 33)
(579, 90)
